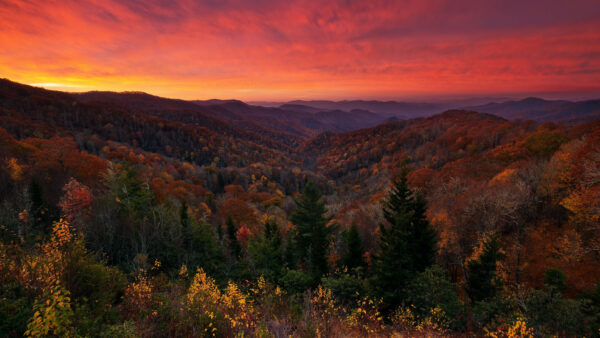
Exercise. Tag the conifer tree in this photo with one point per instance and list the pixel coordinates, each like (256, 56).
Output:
(407, 245)
(483, 281)
(289, 253)
(312, 233)
(185, 226)
(234, 246)
(265, 252)
(37, 204)
(353, 257)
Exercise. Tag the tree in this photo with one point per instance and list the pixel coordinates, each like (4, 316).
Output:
(38, 205)
(482, 278)
(265, 252)
(554, 279)
(353, 257)
(406, 247)
(312, 233)
(234, 246)
(431, 289)
(76, 202)
(184, 218)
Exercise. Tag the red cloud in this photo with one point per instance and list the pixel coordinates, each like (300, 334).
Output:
(318, 49)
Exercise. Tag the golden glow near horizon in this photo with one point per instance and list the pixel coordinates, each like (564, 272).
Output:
(276, 50)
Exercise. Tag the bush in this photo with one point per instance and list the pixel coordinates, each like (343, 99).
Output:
(431, 289)
(296, 282)
(347, 288)
(548, 313)
(590, 307)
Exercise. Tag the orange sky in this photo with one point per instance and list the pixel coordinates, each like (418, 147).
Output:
(325, 49)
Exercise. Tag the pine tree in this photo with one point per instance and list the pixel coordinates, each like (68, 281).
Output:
(265, 252)
(312, 233)
(353, 257)
(220, 232)
(482, 278)
(407, 246)
(37, 204)
(185, 226)
(234, 246)
(289, 253)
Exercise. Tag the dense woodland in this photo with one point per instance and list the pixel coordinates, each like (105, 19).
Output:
(131, 215)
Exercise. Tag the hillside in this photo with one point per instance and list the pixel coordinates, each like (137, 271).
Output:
(543, 110)
(163, 217)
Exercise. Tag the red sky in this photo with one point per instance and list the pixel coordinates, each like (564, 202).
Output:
(320, 49)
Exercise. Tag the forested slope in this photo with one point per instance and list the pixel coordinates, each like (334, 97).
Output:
(148, 217)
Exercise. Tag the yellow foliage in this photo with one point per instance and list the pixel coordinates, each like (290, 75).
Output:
(16, 170)
(139, 293)
(203, 291)
(518, 329)
(238, 310)
(53, 314)
(366, 318)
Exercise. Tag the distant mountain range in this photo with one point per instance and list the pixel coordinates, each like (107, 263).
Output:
(290, 120)
(543, 110)
(402, 110)
(290, 123)
(527, 109)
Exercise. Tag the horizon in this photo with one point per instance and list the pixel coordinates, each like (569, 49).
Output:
(276, 51)
(425, 100)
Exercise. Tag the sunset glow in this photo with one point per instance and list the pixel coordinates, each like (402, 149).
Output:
(276, 50)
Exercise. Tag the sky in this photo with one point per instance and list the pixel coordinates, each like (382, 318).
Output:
(319, 49)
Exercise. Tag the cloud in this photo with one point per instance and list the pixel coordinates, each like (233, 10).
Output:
(279, 49)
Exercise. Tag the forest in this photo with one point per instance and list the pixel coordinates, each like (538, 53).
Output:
(136, 216)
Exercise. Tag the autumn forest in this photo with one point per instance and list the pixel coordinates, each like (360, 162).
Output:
(125, 215)
(316, 168)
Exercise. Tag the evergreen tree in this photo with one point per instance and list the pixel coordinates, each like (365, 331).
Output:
(265, 252)
(289, 253)
(312, 233)
(353, 257)
(234, 246)
(220, 232)
(185, 226)
(407, 246)
(482, 279)
(37, 204)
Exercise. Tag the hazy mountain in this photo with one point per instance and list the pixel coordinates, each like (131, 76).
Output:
(543, 110)
(384, 108)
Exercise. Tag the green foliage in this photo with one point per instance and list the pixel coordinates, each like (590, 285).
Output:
(265, 253)
(431, 289)
(126, 329)
(483, 282)
(184, 220)
(353, 257)
(491, 313)
(544, 143)
(235, 250)
(101, 286)
(312, 233)
(296, 282)
(590, 308)
(555, 279)
(206, 251)
(346, 287)
(16, 308)
(548, 312)
(406, 247)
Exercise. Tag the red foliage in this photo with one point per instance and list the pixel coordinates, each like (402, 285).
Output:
(76, 201)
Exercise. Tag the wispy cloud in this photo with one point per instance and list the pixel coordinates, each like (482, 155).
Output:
(268, 49)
